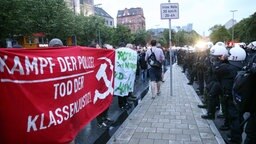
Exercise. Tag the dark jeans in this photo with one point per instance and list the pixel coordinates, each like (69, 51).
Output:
(214, 90)
(250, 130)
(235, 121)
(224, 105)
(201, 82)
(102, 117)
(122, 101)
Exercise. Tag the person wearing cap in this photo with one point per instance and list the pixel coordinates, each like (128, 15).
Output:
(55, 42)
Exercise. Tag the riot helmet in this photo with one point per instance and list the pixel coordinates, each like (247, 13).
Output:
(209, 45)
(220, 44)
(218, 50)
(252, 45)
(242, 45)
(237, 54)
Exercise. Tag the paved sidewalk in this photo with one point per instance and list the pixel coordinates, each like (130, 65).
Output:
(168, 119)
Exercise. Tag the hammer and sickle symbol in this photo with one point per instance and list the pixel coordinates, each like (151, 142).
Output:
(101, 74)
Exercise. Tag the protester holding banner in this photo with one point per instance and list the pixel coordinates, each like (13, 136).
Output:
(155, 73)
(125, 73)
(103, 120)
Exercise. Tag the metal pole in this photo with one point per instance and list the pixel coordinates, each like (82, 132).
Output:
(170, 51)
(233, 13)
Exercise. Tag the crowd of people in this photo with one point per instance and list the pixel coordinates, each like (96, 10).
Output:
(216, 68)
(213, 67)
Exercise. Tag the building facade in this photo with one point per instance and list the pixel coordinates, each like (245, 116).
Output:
(84, 7)
(229, 24)
(133, 18)
(109, 21)
(87, 8)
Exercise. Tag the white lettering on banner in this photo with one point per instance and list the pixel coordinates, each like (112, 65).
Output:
(85, 62)
(31, 66)
(42, 122)
(67, 63)
(17, 64)
(44, 62)
(3, 64)
(58, 116)
(67, 88)
(39, 67)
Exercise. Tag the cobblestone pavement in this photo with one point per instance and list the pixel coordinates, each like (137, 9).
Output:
(168, 119)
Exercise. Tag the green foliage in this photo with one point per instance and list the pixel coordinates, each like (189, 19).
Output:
(244, 31)
(182, 38)
(219, 33)
(251, 28)
(24, 17)
(241, 32)
(179, 38)
(122, 34)
(140, 38)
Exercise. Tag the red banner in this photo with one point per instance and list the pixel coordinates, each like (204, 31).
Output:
(49, 95)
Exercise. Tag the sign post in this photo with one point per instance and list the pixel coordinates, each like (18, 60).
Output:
(170, 11)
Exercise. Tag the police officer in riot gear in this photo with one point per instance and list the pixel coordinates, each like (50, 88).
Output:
(213, 86)
(227, 73)
(205, 63)
(250, 128)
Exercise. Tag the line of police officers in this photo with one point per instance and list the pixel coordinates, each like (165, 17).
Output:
(215, 69)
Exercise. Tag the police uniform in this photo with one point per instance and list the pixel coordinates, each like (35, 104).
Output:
(227, 73)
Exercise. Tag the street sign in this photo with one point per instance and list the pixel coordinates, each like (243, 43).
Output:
(169, 11)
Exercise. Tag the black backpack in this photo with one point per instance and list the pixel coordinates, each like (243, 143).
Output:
(152, 61)
(242, 91)
(243, 88)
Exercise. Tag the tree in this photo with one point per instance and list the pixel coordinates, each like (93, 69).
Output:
(241, 32)
(141, 37)
(219, 33)
(182, 38)
(10, 17)
(166, 37)
(252, 28)
(24, 17)
(122, 34)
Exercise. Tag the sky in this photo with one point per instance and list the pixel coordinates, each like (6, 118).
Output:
(203, 14)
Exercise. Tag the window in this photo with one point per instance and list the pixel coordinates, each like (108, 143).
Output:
(111, 23)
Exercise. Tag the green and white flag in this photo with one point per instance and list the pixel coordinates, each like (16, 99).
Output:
(125, 71)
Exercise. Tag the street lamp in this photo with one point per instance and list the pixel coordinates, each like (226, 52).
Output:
(233, 13)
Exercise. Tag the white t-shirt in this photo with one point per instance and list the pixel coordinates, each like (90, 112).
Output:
(158, 53)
